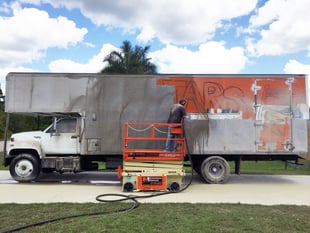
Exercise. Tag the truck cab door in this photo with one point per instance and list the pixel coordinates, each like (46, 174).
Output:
(62, 137)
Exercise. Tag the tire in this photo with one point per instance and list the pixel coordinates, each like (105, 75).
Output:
(25, 168)
(128, 187)
(174, 187)
(215, 170)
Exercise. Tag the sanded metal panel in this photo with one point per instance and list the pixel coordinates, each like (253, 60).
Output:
(300, 136)
(229, 136)
(232, 135)
(45, 93)
(111, 101)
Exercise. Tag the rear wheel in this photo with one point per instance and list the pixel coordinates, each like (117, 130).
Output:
(25, 168)
(215, 170)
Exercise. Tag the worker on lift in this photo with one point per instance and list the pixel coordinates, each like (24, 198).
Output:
(176, 116)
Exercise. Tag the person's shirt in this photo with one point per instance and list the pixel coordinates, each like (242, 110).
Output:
(177, 113)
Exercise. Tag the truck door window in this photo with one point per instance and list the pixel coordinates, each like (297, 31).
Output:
(66, 126)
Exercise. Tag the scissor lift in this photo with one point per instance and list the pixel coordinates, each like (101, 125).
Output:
(146, 165)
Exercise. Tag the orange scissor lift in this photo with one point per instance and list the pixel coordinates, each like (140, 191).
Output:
(146, 165)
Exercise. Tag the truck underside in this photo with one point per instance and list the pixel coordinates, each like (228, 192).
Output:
(25, 166)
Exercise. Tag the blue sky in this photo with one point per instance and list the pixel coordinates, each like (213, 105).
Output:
(197, 36)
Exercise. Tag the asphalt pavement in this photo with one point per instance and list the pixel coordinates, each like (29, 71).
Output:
(86, 186)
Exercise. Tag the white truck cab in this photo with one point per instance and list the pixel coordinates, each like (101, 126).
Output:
(28, 148)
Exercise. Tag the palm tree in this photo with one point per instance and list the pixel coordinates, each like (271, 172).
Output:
(129, 61)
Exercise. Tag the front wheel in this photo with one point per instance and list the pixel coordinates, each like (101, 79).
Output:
(215, 170)
(25, 168)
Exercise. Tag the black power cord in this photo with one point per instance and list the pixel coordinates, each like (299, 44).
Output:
(122, 198)
(135, 205)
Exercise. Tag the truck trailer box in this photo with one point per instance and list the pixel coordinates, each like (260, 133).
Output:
(234, 117)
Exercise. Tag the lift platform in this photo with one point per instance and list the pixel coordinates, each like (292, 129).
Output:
(146, 165)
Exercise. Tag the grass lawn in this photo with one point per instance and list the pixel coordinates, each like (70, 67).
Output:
(274, 167)
(158, 218)
(167, 217)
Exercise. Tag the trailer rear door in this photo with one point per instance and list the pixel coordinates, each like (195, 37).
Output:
(273, 108)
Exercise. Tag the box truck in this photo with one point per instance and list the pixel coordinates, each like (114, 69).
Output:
(230, 118)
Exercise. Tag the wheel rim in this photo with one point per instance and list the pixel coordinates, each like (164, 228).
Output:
(24, 168)
(216, 169)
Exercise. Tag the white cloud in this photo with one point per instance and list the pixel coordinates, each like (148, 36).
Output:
(212, 57)
(146, 35)
(27, 34)
(5, 8)
(295, 67)
(94, 65)
(173, 21)
(283, 27)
